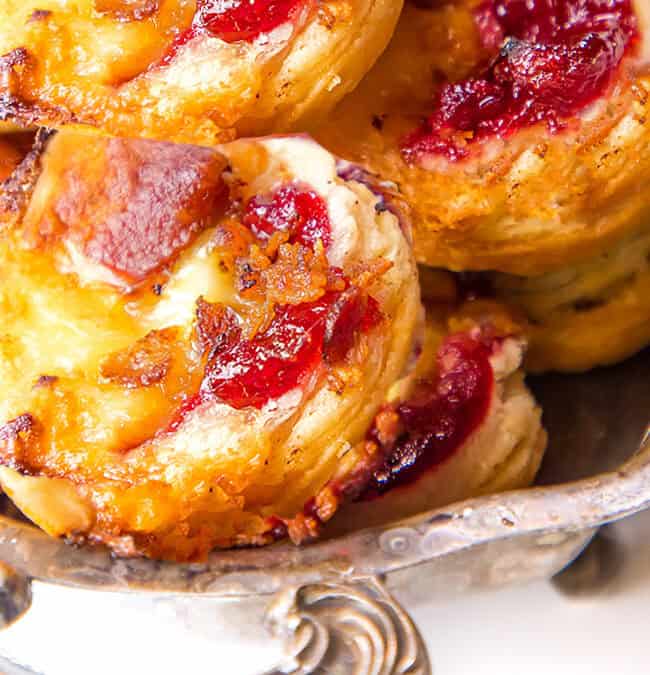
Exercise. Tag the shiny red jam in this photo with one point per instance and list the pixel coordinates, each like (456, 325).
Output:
(552, 59)
(234, 20)
(294, 209)
(440, 416)
(300, 338)
(237, 20)
(252, 372)
(245, 373)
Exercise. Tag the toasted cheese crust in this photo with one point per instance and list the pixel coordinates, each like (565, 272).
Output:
(527, 203)
(209, 386)
(163, 69)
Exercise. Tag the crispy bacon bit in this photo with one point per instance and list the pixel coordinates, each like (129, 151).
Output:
(297, 275)
(145, 363)
(131, 205)
(45, 381)
(16, 57)
(11, 65)
(216, 326)
(39, 15)
(12, 429)
(233, 241)
(14, 435)
(316, 512)
(128, 10)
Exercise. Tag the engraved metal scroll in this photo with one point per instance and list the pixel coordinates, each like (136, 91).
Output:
(355, 629)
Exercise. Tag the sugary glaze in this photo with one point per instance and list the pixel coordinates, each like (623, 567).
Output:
(201, 71)
(530, 198)
(195, 341)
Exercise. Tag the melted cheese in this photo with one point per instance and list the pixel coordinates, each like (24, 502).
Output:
(178, 484)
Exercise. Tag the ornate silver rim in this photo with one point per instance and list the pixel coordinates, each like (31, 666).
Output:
(541, 511)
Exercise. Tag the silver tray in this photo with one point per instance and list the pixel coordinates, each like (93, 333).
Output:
(337, 606)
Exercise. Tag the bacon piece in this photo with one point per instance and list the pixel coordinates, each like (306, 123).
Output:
(13, 437)
(12, 429)
(216, 326)
(130, 205)
(145, 363)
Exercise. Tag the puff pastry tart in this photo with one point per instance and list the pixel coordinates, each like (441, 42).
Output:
(196, 341)
(517, 129)
(589, 314)
(468, 425)
(187, 70)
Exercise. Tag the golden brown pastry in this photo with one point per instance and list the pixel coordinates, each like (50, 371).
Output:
(517, 131)
(589, 314)
(14, 146)
(195, 342)
(197, 71)
(468, 426)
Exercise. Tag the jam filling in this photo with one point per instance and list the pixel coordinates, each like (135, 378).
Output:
(293, 209)
(237, 20)
(553, 58)
(299, 338)
(252, 372)
(439, 417)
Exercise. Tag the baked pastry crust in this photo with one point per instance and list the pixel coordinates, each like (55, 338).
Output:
(503, 452)
(591, 314)
(525, 205)
(112, 65)
(123, 420)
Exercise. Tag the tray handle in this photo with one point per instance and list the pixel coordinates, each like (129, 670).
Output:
(356, 628)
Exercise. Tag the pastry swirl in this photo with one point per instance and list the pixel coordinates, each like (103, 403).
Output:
(196, 341)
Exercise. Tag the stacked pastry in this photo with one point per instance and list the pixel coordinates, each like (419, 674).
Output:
(518, 132)
(213, 339)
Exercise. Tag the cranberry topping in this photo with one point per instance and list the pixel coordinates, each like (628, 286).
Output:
(440, 416)
(553, 58)
(252, 372)
(237, 20)
(233, 20)
(246, 372)
(351, 312)
(293, 209)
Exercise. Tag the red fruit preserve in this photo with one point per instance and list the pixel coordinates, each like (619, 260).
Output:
(293, 209)
(552, 59)
(237, 20)
(440, 416)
